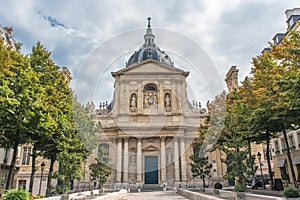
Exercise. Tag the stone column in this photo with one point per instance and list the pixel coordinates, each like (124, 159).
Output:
(127, 97)
(163, 159)
(117, 96)
(139, 160)
(296, 139)
(125, 161)
(119, 160)
(183, 162)
(280, 144)
(121, 97)
(176, 160)
(161, 101)
(140, 98)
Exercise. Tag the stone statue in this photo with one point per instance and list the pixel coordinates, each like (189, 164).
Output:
(167, 101)
(133, 101)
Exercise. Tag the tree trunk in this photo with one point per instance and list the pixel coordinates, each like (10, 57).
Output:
(268, 158)
(33, 168)
(289, 154)
(13, 162)
(203, 182)
(49, 179)
(250, 155)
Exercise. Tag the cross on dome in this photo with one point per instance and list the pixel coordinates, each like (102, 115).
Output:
(149, 50)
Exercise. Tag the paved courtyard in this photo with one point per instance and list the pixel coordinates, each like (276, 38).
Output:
(157, 195)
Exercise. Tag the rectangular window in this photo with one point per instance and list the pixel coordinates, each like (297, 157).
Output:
(26, 155)
(276, 147)
(22, 184)
(291, 141)
(298, 136)
(283, 145)
(103, 153)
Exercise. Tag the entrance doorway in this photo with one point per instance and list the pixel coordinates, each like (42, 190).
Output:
(151, 170)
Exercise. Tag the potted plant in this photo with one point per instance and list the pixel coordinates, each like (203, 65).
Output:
(291, 192)
(16, 194)
(217, 186)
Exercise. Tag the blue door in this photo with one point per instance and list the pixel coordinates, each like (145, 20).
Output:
(151, 170)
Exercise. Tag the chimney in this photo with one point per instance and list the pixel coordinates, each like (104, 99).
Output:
(288, 13)
(9, 30)
(292, 16)
(232, 78)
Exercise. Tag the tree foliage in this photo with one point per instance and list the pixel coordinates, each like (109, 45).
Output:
(36, 107)
(100, 170)
(234, 139)
(87, 125)
(264, 105)
(200, 166)
(20, 101)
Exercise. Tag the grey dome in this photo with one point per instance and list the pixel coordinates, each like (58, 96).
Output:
(149, 50)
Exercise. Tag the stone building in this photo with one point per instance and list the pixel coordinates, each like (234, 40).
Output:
(150, 125)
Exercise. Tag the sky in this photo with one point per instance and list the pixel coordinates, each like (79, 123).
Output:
(94, 38)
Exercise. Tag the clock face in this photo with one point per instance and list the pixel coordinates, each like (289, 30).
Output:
(150, 100)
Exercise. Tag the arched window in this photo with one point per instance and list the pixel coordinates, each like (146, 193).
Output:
(103, 152)
(150, 87)
(150, 95)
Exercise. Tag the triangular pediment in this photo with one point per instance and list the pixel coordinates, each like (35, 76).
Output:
(150, 66)
(150, 148)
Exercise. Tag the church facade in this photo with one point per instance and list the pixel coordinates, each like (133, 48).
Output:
(149, 127)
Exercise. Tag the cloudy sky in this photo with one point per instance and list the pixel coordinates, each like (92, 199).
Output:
(93, 38)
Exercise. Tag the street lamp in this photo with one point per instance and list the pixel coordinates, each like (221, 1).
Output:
(259, 159)
(41, 179)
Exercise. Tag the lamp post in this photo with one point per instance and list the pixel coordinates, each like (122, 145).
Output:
(259, 160)
(41, 179)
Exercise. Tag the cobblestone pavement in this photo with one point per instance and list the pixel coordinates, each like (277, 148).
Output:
(158, 195)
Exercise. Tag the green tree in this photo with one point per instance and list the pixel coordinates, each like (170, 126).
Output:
(87, 125)
(72, 153)
(234, 139)
(275, 84)
(200, 167)
(56, 138)
(56, 110)
(19, 101)
(100, 170)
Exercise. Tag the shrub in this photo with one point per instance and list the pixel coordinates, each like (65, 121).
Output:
(16, 195)
(218, 185)
(290, 191)
(240, 188)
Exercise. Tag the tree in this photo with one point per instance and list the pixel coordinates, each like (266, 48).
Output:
(56, 110)
(100, 170)
(275, 84)
(72, 153)
(19, 101)
(56, 137)
(234, 139)
(86, 124)
(200, 165)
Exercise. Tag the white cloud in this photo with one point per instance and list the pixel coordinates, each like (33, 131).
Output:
(231, 32)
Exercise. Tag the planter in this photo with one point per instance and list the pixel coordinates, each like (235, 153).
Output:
(240, 195)
(216, 192)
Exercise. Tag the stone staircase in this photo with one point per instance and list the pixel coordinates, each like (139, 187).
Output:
(152, 187)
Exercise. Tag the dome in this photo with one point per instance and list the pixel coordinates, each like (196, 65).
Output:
(149, 50)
